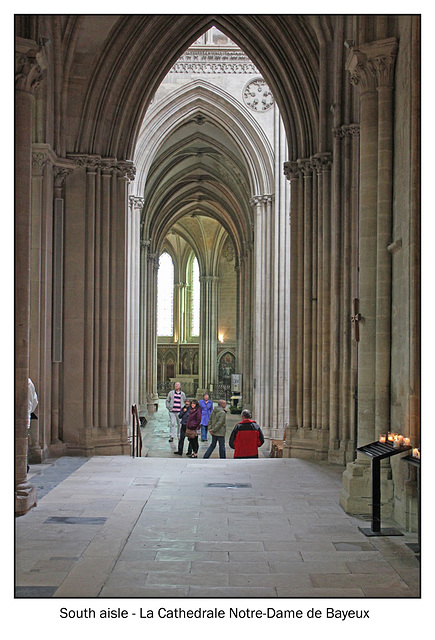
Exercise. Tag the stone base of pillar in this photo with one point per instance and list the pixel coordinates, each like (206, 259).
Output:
(101, 442)
(152, 403)
(308, 444)
(356, 490)
(57, 449)
(406, 510)
(342, 453)
(25, 498)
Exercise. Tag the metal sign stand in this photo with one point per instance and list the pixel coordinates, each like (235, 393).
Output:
(377, 451)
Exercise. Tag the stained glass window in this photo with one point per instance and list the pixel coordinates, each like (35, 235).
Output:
(195, 298)
(165, 296)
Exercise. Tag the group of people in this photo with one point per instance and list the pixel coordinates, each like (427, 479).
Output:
(191, 419)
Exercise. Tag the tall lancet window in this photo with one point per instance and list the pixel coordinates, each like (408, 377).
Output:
(165, 296)
(195, 298)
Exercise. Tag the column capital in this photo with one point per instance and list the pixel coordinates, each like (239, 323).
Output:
(92, 161)
(261, 199)
(347, 131)
(136, 202)
(292, 170)
(361, 72)
(372, 65)
(60, 175)
(30, 63)
(321, 161)
(40, 159)
(305, 166)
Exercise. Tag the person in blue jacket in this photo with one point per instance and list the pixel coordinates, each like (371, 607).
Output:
(206, 407)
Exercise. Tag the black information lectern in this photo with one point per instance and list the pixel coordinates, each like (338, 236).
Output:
(377, 451)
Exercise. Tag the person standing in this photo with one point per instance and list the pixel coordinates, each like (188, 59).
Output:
(206, 408)
(174, 402)
(183, 415)
(246, 437)
(193, 426)
(217, 426)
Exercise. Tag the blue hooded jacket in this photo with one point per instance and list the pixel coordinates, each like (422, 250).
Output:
(206, 408)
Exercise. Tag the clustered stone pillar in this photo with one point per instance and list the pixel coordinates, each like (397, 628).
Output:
(28, 73)
(262, 305)
(208, 332)
(95, 397)
(133, 292)
(371, 68)
(312, 340)
(270, 318)
(244, 271)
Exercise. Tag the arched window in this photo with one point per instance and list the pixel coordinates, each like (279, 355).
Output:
(195, 298)
(165, 296)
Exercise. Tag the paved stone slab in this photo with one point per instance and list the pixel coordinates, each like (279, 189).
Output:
(163, 533)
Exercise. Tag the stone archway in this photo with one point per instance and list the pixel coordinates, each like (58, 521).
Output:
(97, 76)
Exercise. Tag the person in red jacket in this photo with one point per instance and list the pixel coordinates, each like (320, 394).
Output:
(246, 437)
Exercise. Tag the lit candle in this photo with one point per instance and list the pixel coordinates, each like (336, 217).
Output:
(396, 442)
(400, 439)
(382, 438)
(416, 453)
(406, 442)
(390, 437)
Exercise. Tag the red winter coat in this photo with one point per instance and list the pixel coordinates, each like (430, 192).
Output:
(245, 439)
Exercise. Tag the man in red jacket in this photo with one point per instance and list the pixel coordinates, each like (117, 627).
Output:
(246, 437)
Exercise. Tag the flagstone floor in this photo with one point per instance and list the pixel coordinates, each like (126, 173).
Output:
(165, 526)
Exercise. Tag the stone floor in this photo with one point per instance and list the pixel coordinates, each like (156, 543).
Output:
(165, 526)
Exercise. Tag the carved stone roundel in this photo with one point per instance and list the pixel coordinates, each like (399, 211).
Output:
(257, 95)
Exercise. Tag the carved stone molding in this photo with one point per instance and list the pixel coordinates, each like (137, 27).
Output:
(93, 162)
(228, 252)
(217, 62)
(257, 95)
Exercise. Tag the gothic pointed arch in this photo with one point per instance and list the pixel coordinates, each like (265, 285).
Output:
(285, 49)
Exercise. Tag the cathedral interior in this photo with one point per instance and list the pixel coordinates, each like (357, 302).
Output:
(204, 198)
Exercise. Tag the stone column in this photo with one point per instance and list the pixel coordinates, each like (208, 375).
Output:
(37, 311)
(133, 291)
(292, 172)
(94, 376)
(143, 324)
(208, 332)
(306, 168)
(151, 332)
(28, 74)
(382, 56)
(371, 71)
(60, 174)
(362, 77)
